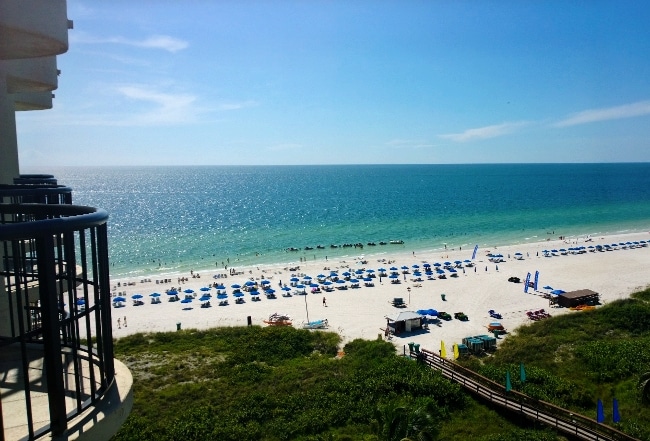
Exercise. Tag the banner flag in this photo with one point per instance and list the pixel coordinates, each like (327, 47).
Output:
(600, 412)
(522, 373)
(536, 279)
(508, 383)
(616, 417)
(474, 253)
(526, 284)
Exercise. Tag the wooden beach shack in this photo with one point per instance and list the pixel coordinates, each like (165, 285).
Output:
(579, 297)
(405, 321)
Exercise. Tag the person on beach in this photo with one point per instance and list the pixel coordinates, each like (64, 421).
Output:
(324, 302)
(125, 321)
(119, 323)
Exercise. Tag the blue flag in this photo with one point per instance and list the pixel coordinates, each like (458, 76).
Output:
(600, 412)
(616, 417)
(527, 283)
(522, 373)
(474, 253)
(536, 279)
(508, 383)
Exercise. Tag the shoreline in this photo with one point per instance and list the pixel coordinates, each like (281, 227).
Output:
(362, 312)
(372, 252)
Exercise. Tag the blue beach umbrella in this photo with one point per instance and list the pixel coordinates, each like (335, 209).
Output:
(119, 299)
(437, 264)
(137, 296)
(265, 282)
(172, 292)
(219, 296)
(327, 283)
(238, 294)
(250, 283)
(220, 286)
(286, 288)
(205, 288)
(81, 302)
(254, 292)
(235, 286)
(186, 301)
(294, 279)
(188, 291)
(270, 291)
(314, 285)
(155, 294)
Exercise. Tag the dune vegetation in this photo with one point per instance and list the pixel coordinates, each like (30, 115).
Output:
(282, 383)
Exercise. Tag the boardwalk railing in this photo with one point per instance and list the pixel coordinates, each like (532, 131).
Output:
(561, 419)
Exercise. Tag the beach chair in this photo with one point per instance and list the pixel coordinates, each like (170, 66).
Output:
(531, 315)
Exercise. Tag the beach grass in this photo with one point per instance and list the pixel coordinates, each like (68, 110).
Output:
(285, 383)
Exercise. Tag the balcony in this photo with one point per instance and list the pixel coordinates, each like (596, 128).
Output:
(58, 377)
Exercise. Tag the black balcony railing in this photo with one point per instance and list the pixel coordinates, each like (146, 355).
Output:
(35, 193)
(56, 346)
(36, 179)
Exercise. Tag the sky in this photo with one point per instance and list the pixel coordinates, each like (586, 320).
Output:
(347, 82)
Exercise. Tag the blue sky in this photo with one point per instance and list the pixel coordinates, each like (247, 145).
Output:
(333, 82)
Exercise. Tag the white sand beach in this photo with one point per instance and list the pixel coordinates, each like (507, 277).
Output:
(362, 312)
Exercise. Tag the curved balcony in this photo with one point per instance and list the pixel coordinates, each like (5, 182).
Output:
(35, 194)
(56, 346)
(36, 179)
(31, 74)
(33, 28)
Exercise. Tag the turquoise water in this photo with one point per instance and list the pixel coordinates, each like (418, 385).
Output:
(170, 219)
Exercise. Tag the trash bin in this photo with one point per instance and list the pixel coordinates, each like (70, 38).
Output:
(417, 347)
(411, 344)
(442, 296)
(178, 326)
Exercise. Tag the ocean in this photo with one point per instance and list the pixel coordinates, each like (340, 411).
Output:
(169, 220)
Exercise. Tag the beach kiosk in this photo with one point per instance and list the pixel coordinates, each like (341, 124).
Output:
(579, 297)
(405, 321)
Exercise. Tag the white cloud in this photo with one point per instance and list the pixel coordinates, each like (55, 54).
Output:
(285, 147)
(631, 110)
(410, 143)
(164, 42)
(238, 105)
(484, 132)
(168, 107)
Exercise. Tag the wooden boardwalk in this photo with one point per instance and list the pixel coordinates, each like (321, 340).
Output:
(574, 425)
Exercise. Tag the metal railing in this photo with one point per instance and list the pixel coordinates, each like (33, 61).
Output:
(56, 339)
(553, 416)
(35, 193)
(35, 179)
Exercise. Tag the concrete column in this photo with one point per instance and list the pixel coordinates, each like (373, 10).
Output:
(9, 168)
